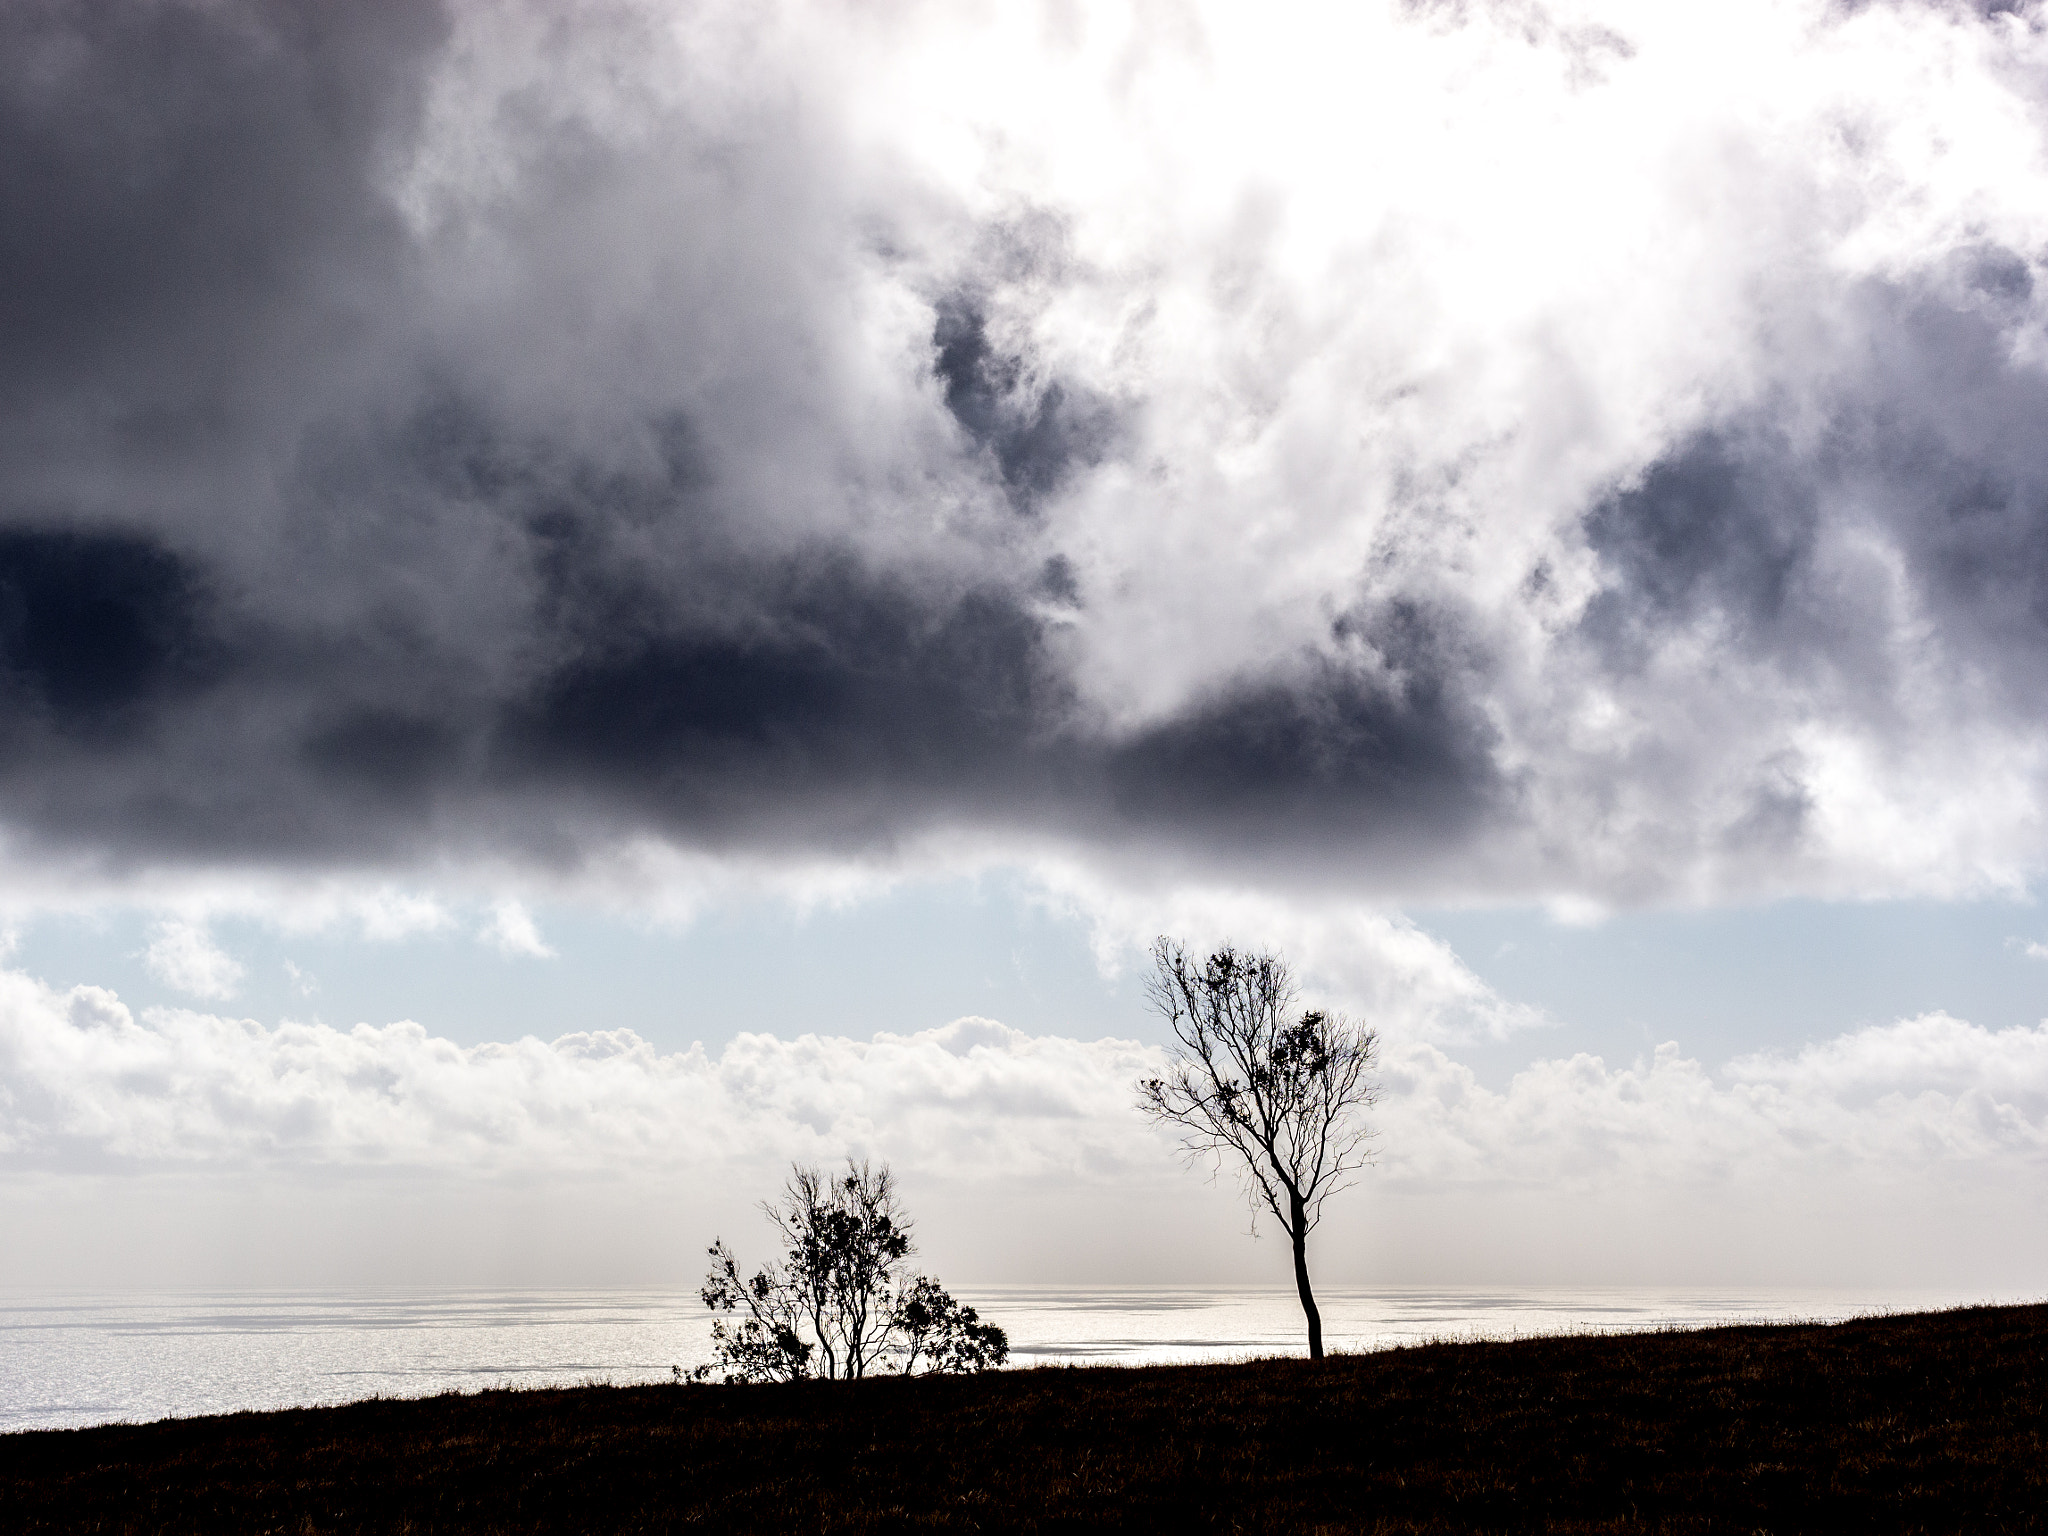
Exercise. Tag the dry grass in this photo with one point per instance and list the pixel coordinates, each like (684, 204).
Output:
(1926, 1423)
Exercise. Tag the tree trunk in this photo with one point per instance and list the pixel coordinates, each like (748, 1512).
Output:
(1298, 1230)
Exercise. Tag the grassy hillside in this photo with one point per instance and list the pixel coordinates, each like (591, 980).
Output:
(1926, 1423)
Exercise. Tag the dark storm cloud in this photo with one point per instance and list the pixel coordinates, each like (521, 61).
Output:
(1949, 450)
(362, 505)
(428, 620)
(1879, 574)
(844, 688)
(1933, 449)
(1361, 760)
(1038, 438)
(94, 626)
(690, 684)
(185, 188)
(1719, 525)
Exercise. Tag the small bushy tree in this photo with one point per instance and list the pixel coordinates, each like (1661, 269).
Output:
(842, 1303)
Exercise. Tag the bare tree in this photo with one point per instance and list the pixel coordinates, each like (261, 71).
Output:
(842, 1303)
(1283, 1097)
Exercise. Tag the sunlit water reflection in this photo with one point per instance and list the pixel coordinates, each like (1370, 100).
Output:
(86, 1359)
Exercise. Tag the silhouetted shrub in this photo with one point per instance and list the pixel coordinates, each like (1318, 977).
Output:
(842, 1304)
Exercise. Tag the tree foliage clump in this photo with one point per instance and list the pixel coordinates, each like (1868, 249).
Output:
(842, 1303)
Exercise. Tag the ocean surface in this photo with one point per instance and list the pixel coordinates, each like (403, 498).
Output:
(76, 1359)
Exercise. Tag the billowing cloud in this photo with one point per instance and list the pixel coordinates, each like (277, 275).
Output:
(88, 1085)
(1931, 1092)
(1576, 451)
(1915, 1152)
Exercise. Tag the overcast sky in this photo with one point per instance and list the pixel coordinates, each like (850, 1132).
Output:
(592, 603)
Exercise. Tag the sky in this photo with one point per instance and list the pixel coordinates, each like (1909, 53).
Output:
(593, 603)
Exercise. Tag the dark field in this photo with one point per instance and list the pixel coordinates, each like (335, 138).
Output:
(1927, 1423)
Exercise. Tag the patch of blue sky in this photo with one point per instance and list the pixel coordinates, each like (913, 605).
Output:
(912, 959)
(1728, 981)
(1721, 982)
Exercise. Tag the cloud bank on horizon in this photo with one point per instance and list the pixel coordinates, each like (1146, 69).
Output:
(93, 1087)
(1570, 451)
(1659, 1169)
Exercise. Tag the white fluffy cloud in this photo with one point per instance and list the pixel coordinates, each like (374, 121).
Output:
(1916, 1151)
(512, 931)
(88, 1084)
(85, 1079)
(1925, 1094)
(182, 954)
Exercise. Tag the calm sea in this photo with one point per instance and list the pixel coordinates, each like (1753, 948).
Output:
(77, 1359)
